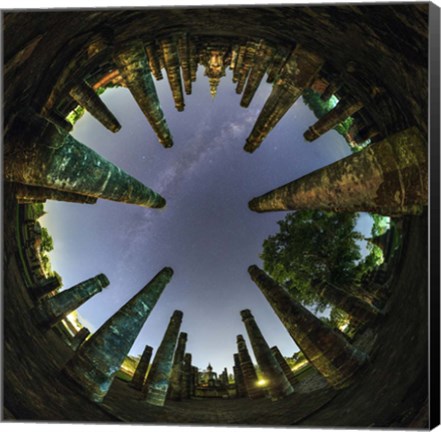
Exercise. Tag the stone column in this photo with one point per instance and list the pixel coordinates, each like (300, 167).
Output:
(297, 73)
(141, 370)
(133, 66)
(367, 132)
(248, 371)
(47, 286)
(57, 120)
(186, 391)
(276, 65)
(156, 385)
(175, 387)
(389, 178)
(262, 60)
(333, 87)
(278, 385)
(239, 381)
(194, 59)
(56, 160)
(50, 311)
(95, 364)
(171, 62)
(194, 381)
(92, 103)
(285, 366)
(224, 377)
(239, 62)
(344, 109)
(184, 60)
(79, 338)
(247, 64)
(333, 356)
(153, 57)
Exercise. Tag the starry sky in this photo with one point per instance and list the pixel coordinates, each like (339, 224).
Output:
(206, 232)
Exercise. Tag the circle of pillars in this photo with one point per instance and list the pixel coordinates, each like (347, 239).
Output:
(96, 362)
(333, 357)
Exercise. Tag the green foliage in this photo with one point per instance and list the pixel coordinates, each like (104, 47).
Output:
(47, 243)
(75, 115)
(381, 224)
(313, 247)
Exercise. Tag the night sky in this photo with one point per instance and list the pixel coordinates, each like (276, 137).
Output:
(206, 232)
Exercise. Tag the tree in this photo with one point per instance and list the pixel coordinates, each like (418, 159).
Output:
(312, 248)
(47, 243)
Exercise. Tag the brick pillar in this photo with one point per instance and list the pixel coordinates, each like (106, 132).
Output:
(297, 73)
(184, 60)
(285, 366)
(333, 357)
(153, 58)
(47, 286)
(50, 311)
(186, 391)
(56, 160)
(95, 364)
(171, 62)
(389, 178)
(176, 377)
(239, 381)
(133, 66)
(248, 371)
(276, 65)
(141, 370)
(247, 64)
(278, 385)
(194, 381)
(35, 193)
(332, 88)
(344, 109)
(79, 338)
(156, 386)
(194, 59)
(239, 62)
(262, 60)
(92, 103)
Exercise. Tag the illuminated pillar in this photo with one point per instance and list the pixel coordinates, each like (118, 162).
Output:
(133, 66)
(194, 59)
(297, 73)
(176, 377)
(79, 338)
(186, 391)
(285, 366)
(184, 59)
(97, 361)
(277, 385)
(277, 64)
(50, 311)
(344, 109)
(239, 62)
(56, 160)
(333, 357)
(141, 370)
(156, 386)
(239, 381)
(248, 371)
(35, 193)
(153, 57)
(247, 64)
(86, 97)
(388, 178)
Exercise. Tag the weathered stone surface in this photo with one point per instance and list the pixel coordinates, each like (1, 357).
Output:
(248, 371)
(52, 310)
(247, 64)
(331, 89)
(85, 96)
(297, 73)
(79, 338)
(141, 370)
(186, 388)
(184, 60)
(239, 381)
(153, 57)
(158, 380)
(285, 366)
(333, 357)
(344, 109)
(46, 286)
(239, 62)
(56, 160)
(277, 384)
(389, 178)
(133, 66)
(95, 364)
(176, 383)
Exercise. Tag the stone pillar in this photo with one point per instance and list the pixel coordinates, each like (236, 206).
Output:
(47, 286)
(156, 385)
(56, 160)
(277, 64)
(367, 133)
(388, 178)
(79, 338)
(92, 103)
(171, 62)
(333, 356)
(141, 370)
(57, 120)
(333, 87)
(186, 387)
(95, 364)
(133, 66)
(285, 366)
(184, 60)
(278, 385)
(239, 381)
(153, 58)
(35, 193)
(194, 59)
(239, 62)
(248, 371)
(262, 60)
(224, 377)
(247, 64)
(297, 73)
(194, 381)
(50, 311)
(176, 377)
(345, 108)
